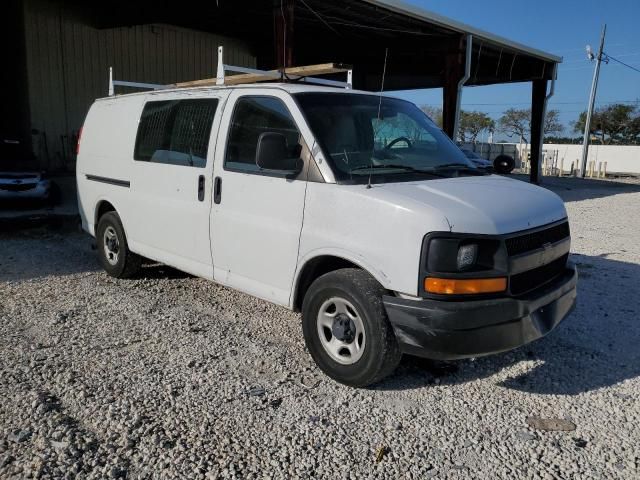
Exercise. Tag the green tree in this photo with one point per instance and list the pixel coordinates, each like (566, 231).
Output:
(612, 124)
(552, 124)
(472, 124)
(634, 131)
(434, 112)
(517, 123)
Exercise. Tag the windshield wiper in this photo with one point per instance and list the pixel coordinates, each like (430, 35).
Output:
(453, 165)
(406, 168)
(458, 166)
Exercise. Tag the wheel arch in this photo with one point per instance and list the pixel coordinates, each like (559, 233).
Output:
(102, 206)
(318, 265)
(105, 205)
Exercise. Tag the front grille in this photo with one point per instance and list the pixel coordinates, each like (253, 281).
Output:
(532, 241)
(526, 281)
(17, 187)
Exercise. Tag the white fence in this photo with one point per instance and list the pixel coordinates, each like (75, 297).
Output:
(619, 159)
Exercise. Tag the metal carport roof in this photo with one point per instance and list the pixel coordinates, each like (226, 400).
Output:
(445, 22)
(425, 50)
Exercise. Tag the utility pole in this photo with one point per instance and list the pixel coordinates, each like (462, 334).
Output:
(592, 101)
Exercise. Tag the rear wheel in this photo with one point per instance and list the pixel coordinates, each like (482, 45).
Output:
(346, 328)
(113, 250)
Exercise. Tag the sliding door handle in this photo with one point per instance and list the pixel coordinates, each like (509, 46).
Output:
(217, 190)
(201, 188)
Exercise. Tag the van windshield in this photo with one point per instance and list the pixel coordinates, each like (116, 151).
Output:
(390, 139)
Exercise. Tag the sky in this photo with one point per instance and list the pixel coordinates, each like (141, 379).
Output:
(561, 27)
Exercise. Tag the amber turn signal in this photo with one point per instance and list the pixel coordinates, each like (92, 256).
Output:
(450, 286)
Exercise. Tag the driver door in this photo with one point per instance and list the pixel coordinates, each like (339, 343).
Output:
(257, 215)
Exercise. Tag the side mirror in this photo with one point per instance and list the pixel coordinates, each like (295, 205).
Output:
(273, 156)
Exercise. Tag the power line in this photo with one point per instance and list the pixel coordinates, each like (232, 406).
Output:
(583, 68)
(605, 58)
(601, 102)
(319, 17)
(627, 54)
(619, 55)
(330, 20)
(622, 63)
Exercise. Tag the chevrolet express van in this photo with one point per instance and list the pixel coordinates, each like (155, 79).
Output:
(354, 209)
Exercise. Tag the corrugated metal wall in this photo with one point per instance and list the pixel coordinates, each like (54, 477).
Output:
(68, 62)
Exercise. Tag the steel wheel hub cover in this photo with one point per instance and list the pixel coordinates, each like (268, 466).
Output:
(341, 331)
(343, 328)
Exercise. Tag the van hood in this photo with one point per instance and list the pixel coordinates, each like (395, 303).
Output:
(489, 205)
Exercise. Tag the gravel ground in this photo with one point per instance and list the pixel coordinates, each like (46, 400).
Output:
(170, 376)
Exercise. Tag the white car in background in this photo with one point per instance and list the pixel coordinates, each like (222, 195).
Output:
(354, 209)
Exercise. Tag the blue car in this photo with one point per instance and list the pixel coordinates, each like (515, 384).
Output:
(477, 160)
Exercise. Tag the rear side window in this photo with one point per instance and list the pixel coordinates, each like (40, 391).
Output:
(253, 116)
(175, 132)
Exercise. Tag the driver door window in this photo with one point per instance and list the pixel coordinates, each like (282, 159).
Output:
(253, 116)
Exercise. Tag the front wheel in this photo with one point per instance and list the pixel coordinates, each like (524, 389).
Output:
(346, 328)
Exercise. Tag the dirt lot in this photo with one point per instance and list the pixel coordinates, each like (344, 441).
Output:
(169, 376)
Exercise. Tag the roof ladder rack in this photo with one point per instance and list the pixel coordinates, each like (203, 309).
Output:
(252, 75)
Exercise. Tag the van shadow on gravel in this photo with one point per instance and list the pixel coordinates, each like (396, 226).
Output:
(158, 271)
(596, 346)
(36, 253)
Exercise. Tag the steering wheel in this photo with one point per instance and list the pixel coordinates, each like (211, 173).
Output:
(396, 140)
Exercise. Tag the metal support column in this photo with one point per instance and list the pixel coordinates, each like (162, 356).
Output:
(283, 18)
(538, 107)
(458, 71)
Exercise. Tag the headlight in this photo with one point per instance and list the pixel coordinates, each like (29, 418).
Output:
(463, 264)
(467, 256)
(453, 255)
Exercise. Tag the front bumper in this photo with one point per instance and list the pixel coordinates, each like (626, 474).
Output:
(446, 330)
(39, 191)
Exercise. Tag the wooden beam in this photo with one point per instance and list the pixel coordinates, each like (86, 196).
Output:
(304, 71)
(319, 69)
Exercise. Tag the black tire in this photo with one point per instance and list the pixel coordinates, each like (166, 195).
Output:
(380, 355)
(126, 263)
(504, 164)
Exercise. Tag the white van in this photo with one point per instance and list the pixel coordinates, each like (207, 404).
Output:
(355, 209)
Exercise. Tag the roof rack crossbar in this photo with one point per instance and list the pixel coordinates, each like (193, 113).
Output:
(249, 71)
(122, 83)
